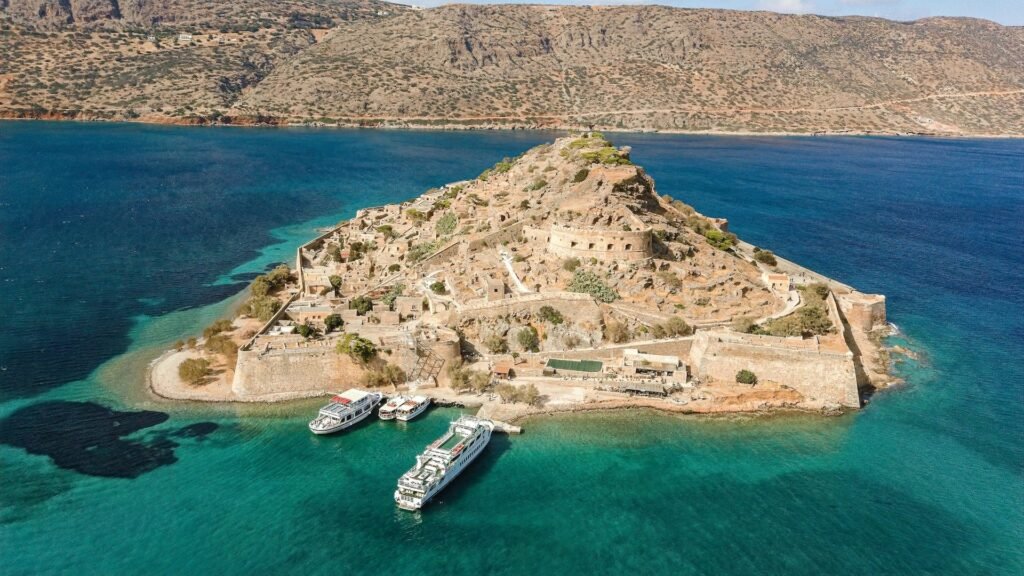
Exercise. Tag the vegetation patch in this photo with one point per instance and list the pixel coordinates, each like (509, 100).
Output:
(587, 282)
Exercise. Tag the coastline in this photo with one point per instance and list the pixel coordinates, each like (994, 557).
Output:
(456, 126)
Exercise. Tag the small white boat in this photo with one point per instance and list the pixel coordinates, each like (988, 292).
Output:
(388, 409)
(412, 407)
(344, 410)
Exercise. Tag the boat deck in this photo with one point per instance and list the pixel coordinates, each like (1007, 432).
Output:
(451, 442)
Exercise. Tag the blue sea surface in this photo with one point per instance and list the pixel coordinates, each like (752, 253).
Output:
(116, 240)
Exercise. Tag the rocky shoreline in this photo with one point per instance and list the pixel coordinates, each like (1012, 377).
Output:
(249, 122)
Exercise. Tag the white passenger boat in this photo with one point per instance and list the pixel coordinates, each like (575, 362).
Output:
(442, 461)
(344, 410)
(388, 409)
(412, 407)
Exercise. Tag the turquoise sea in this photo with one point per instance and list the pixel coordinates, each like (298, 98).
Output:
(116, 240)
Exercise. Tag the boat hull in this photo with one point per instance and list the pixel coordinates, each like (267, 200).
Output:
(347, 424)
(419, 410)
(416, 505)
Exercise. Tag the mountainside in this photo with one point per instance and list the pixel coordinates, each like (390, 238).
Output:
(626, 67)
(116, 14)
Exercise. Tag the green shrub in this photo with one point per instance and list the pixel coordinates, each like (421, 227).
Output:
(676, 326)
(446, 224)
(536, 185)
(528, 339)
(719, 239)
(361, 305)
(393, 293)
(333, 322)
(496, 344)
(261, 307)
(385, 375)
(307, 330)
(438, 287)
(746, 377)
(194, 370)
(421, 251)
(581, 175)
(549, 314)
(387, 230)
(357, 348)
(217, 327)
(765, 257)
(417, 216)
(570, 264)
(586, 282)
(394, 267)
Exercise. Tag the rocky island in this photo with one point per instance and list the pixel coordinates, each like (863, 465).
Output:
(557, 280)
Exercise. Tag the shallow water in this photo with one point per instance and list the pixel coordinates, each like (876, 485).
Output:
(116, 240)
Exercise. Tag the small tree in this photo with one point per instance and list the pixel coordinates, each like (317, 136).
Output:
(765, 257)
(307, 330)
(260, 286)
(438, 287)
(528, 339)
(361, 305)
(385, 375)
(335, 281)
(529, 394)
(496, 344)
(357, 348)
(549, 314)
(746, 377)
(676, 326)
(479, 381)
(507, 392)
(333, 322)
(194, 370)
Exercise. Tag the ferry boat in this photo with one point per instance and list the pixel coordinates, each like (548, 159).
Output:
(412, 407)
(388, 409)
(442, 461)
(344, 410)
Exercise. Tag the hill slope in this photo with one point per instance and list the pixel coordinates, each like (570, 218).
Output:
(627, 67)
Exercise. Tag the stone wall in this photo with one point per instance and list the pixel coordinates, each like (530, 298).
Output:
(596, 243)
(821, 376)
(863, 311)
(292, 373)
(572, 305)
(503, 236)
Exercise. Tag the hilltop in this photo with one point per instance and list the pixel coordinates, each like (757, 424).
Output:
(564, 270)
(625, 67)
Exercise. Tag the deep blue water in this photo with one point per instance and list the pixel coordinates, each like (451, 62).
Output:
(118, 239)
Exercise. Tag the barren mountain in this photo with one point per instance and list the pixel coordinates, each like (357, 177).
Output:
(626, 67)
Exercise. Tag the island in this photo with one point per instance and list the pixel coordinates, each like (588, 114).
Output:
(559, 280)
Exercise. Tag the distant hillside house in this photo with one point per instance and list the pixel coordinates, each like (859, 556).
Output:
(184, 37)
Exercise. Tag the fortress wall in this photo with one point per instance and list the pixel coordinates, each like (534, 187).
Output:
(443, 255)
(820, 376)
(292, 373)
(863, 311)
(502, 236)
(573, 306)
(601, 244)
